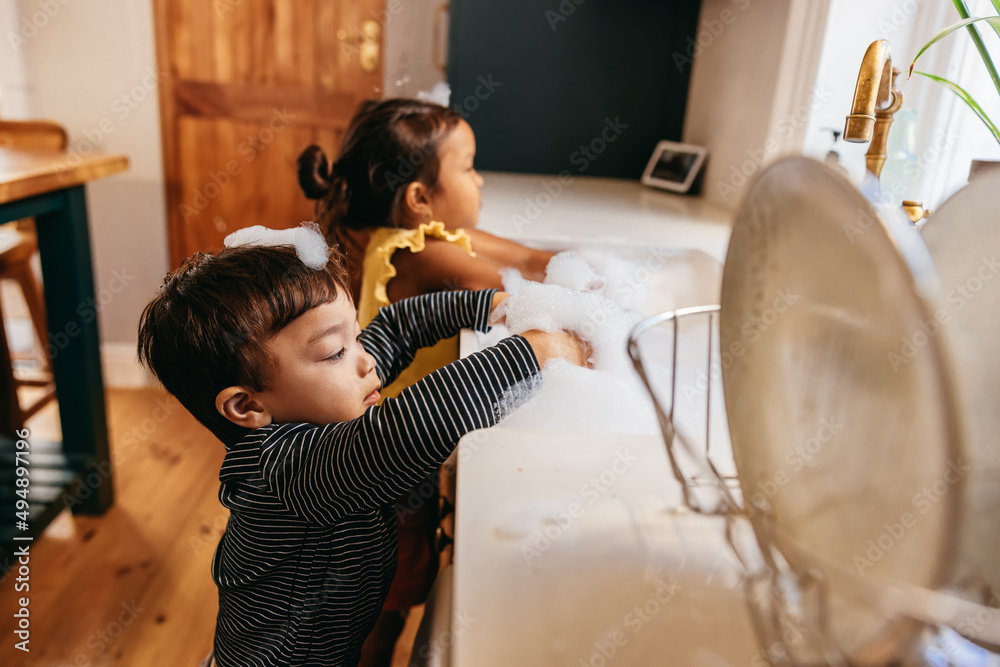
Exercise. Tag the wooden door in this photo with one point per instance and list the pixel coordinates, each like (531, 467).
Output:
(245, 85)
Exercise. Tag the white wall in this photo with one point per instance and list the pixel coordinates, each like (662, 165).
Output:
(752, 87)
(91, 66)
(13, 82)
(409, 49)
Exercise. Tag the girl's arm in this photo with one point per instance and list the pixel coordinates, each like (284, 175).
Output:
(446, 266)
(531, 262)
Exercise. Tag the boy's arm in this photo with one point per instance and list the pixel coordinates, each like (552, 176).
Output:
(325, 473)
(398, 331)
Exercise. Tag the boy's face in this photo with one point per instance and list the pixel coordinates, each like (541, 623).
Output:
(323, 375)
(456, 199)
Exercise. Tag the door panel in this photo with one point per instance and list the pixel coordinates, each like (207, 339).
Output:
(249, 84)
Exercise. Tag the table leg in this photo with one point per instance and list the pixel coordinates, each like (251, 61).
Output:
(64, 247)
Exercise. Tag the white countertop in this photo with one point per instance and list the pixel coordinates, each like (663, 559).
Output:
(536, 208)
(623, 547)
(568, 550)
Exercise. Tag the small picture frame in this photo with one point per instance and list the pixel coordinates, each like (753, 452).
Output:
(674, 166)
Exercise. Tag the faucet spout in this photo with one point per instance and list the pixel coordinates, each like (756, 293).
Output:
(873, 89)
(876, 99)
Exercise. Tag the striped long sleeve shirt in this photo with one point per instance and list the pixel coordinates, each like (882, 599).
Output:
(309, 551)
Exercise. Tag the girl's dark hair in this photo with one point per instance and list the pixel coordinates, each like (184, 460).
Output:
(210, 325)
(386, 146)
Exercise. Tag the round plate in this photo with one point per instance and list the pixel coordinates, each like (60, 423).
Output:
(963, 237)
(839, 397)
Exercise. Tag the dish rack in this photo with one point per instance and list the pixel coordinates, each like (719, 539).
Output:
(785, 586)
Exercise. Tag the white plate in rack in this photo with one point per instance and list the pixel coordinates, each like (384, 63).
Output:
(841, 437)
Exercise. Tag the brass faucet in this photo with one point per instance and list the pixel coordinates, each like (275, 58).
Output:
(876, 99)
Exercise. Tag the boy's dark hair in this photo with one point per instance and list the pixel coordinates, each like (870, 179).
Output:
(210, 324)
(387, 145)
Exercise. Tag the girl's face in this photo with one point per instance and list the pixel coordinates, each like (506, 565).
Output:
(456, 199)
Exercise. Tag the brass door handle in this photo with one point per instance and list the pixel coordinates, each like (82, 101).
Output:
(370, 31)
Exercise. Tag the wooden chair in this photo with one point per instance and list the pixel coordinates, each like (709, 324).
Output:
(18, 245)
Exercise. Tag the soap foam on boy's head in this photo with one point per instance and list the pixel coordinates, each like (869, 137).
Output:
(307, 239)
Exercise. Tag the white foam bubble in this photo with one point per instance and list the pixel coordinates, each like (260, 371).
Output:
(308, 240)
(592, 316)
(569, 269)
(608, 398)
(439, 94)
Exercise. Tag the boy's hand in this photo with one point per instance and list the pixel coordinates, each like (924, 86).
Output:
(498, 311)
(561, 345)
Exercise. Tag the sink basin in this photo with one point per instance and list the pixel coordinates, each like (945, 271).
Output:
(642, 281)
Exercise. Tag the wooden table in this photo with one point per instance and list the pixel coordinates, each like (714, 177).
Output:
(49, 186)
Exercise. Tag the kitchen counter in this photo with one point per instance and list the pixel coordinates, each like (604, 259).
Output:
(537, 209)
(571, 552)
(566, 547)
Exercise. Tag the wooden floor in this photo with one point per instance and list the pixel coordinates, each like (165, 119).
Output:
(133, 587)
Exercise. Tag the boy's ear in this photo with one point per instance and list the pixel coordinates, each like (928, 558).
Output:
(238, 406)
(416, 198)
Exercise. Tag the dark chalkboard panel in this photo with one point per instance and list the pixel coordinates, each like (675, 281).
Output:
(585, 86)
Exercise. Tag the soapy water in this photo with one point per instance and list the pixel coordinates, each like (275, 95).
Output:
(606, 398)
(584, 292)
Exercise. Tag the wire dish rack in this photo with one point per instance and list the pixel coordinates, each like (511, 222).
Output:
(788, 590)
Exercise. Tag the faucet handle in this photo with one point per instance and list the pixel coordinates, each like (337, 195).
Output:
(917, 213)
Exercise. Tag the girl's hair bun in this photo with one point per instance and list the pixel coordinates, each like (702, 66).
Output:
(314, 173)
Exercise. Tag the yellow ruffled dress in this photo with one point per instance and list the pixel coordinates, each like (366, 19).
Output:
(378, 270)
(417, 561)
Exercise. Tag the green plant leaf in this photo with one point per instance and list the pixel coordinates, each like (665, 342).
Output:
(963, 12)
(965, 97)
(992, 20)
(996, 6)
